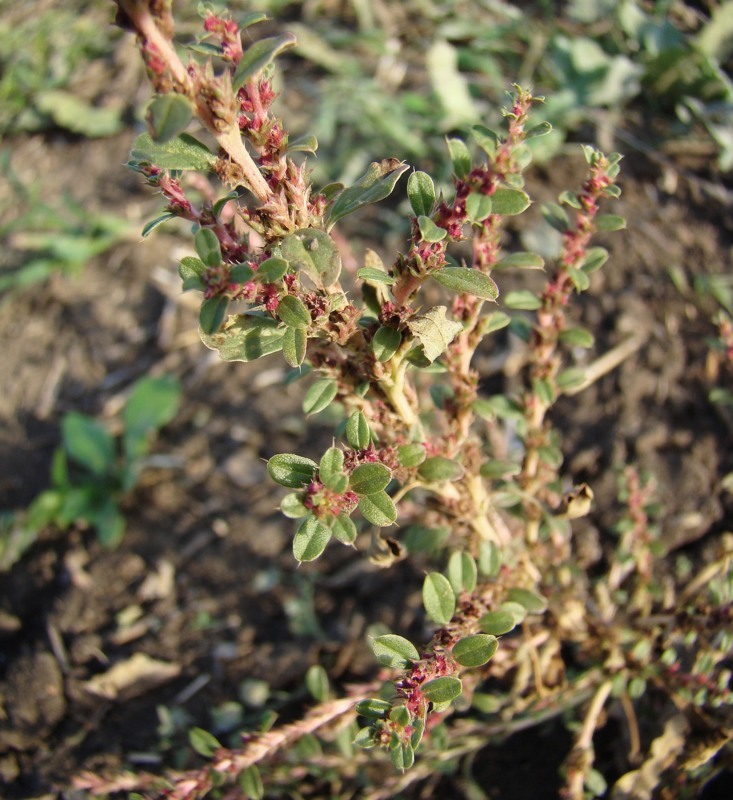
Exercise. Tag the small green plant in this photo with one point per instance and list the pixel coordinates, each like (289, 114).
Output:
(93, 470)
(48, 237)
(469, 486)
(44, 63)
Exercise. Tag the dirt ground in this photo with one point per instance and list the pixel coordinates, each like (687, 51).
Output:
(204, 581)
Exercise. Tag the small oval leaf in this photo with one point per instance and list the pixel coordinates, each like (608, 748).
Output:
(358, 434)
(212, 313)
(465, 280)
(460, 157)
(421, 193)
(203, 742)
(290, 470)
(259, 55)
(293, 312)
(533, 602)
(310, 539)
(438, 598)
(497, 622)
(168, 115)
(385, 343)
(440, 468)
(462, 572)
(378, 509)
(370, 479)
(522, 300)
(411, 455)
(442, 690)
(395, 651)
(319, 396)
(509, 202)
(475, 651)
(295, 346)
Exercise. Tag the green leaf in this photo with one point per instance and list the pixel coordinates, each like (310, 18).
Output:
(401, 754)
(331, 466)
(246, 337)
(579, 279)
(259, 55)
(478, 206)
(517, 610)
(250, 782)
(475, 651)
(556, 217)
(499, 469)
(497, 622)
(184, 153)
(154, 223)
(434, 331)
(293, 312)
(168, 115)
(421, 193)
(460, 157)
(374, 275)
(419, 539)
(369, 479)
(400, 716)
(610, 222)
(310, 539)
(378, 709)
(378, 509)
(442, 690)
(365, 738)
(386, 342)
(290, 470)
(292, 506)
(429, 231)
(108, 522)
(374, 185)
(303, 144)
(88, 443)
(241, 273)
(317, 683)
(252, 18)
(343, 529)
(509, 202)
(522, 300)
(570, 378)
(66, 109)
(212, 313)
(271, 270)
(395, 651)
(486, 139)
(577, 337)
(539, 130)
(208, 247)
(467, 281)
(462, 572)
(522, 261)
(411, 455)
(191, 269)
(295, 345)
(438, 598)
(152, 404)
(203, 742)
(533, 602)
(439, 468)
(319, 396)
(489, 560)
(315, 253)
(358, 434)
(494, 322)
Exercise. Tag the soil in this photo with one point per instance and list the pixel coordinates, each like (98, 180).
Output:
(203, 582)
